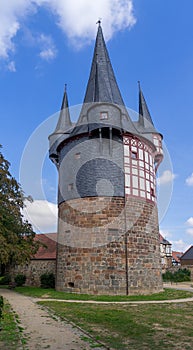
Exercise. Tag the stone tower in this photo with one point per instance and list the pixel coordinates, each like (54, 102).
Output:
(108, 234)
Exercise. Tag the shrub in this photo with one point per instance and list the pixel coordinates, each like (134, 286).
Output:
(182, 275)
(1, 309)
(47, 280)
(5, 279)
(20, 280)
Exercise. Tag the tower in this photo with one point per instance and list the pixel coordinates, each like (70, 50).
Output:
(108, 234)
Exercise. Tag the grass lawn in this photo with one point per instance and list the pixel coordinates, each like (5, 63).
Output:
(10, 333)
(133, 327)
(167, 294)
(118, 326)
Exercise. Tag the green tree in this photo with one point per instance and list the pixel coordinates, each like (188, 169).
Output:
(17, 243)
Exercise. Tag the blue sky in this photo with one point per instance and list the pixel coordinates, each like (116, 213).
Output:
(45, 44)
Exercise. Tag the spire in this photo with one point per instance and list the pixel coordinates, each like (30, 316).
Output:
(144, 114)
(64, 121)
(102, 85)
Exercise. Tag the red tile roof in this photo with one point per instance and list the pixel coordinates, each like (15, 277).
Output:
(177, 255)
(48, 252)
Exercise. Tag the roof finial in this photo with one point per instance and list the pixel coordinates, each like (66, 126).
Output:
(65, 87)
(139, 85)
(99, 21)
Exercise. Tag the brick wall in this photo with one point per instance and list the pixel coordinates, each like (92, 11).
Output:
(186, 262)
(34, 270)
(94, 254)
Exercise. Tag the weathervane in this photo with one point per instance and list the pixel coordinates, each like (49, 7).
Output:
(99, 21)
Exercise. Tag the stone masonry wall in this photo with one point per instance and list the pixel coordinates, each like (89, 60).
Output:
(94, 254)
(34, 270)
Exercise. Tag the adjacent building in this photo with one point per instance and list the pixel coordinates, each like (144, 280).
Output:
(187, 258)
(165, 252)
(176, 256)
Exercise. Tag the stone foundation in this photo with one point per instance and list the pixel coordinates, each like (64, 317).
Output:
(96, 256)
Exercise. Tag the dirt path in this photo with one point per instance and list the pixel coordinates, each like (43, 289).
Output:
(41, 330)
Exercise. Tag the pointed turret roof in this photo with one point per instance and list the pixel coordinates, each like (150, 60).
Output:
(102, 85)
(64, 121)
(144, 114)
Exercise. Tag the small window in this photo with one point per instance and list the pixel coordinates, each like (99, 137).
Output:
(152, 192)
(103, 115)
(133, 154)
(71, 284)
(70, 187)
(113, 231)
(77, 155)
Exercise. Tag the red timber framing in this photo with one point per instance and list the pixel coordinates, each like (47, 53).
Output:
(140, 178)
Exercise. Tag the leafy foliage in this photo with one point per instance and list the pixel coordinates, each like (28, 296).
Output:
(17, 243)
(181, 275)
(5, 279)
(1, 308)
(20, 280)
(47, 280)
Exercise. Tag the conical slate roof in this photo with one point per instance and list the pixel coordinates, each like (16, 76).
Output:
(64, 122)
(143, 108)
(102, 85)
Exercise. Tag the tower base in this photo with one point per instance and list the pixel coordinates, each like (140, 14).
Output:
(110, 247)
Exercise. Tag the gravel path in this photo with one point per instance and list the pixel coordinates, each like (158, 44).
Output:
(41, 330)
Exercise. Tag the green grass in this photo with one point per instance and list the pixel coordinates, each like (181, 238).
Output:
(36, 292)
(133, 327)
(10, 333)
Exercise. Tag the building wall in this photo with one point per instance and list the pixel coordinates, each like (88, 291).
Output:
(186, 262)
(34, 270)
(94, 254)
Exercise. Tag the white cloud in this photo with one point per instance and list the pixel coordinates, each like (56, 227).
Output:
(190, 231)
(180, 245)
(48, 51)
(42, 215)
(189, 222)
(11, 14)
(166, 177)
(11, 66)
(77, 19)
(166, 234)
(189, 180)
(177, 245)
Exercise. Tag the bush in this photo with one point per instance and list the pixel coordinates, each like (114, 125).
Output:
(1, 309)
(5, 280)
(47, 280)
(20, 280)
(182, 275)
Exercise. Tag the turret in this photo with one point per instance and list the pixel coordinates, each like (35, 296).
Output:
(146, 128)
(64, 121)
(62, 130)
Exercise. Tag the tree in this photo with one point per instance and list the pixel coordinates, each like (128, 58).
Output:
(17, 243)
